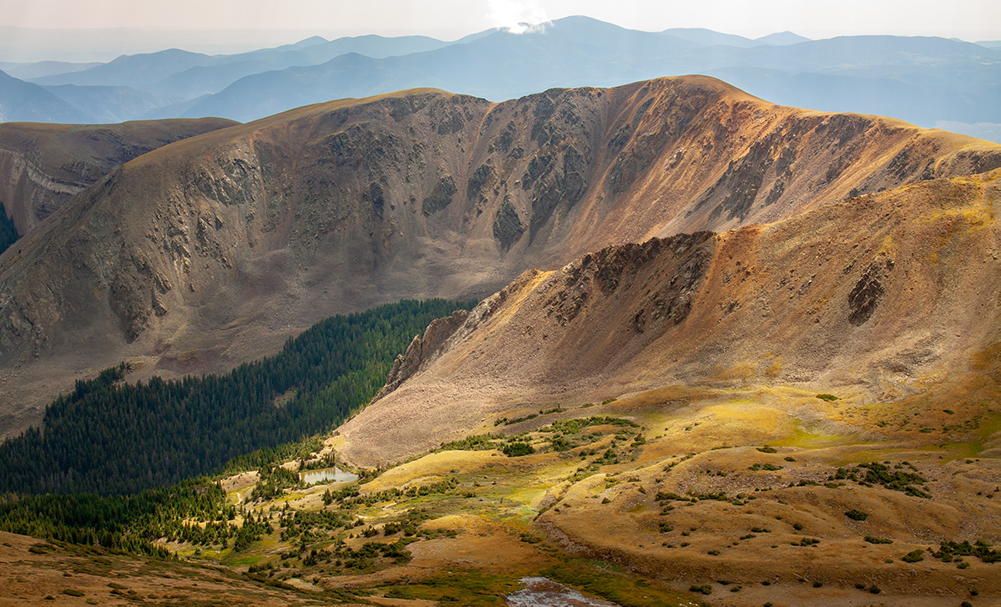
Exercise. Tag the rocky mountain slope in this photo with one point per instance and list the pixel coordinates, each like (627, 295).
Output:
(882, 297)
(43, 165)
(211, 251)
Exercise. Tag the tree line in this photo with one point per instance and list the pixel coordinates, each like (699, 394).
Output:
(8, 233)
(109, 436)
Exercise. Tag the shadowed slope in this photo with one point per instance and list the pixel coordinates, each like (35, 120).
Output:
(211, 251)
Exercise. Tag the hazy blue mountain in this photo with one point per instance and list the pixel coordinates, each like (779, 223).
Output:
(780, 39)
(707, 37)
(26, 102)
(182, 74)
(990, 43)
(110, 103)
(131, 70)
(922, 80)
(40, 69)
(225, 70)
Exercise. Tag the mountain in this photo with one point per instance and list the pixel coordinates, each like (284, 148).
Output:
(136, 71)
(107, 104)
(213, 250)
(23, 101)
(707, 37)
(182, 74)
(27, 71)
(869, 296)
(780, 39)
(43, 165)
(922, 80)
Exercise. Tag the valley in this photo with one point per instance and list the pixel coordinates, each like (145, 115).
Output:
(724, 353)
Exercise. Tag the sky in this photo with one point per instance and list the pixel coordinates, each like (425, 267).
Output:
(227, 24)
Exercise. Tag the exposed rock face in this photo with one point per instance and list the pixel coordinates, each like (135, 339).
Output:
(873, 296)
(213, 250)
(422, 350)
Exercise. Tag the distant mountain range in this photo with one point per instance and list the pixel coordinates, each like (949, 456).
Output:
(927, 81)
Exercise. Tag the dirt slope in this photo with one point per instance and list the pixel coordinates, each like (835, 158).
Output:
(43, 165)
(211, 251)
(886, 297)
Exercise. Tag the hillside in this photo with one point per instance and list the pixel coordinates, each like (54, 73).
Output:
(43, 165)
(211, 251)
(883, 298)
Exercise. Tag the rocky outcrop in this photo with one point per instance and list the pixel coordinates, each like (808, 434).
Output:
(421, 351)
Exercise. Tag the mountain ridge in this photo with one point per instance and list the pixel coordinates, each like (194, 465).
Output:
(213, 250)
(868, 310)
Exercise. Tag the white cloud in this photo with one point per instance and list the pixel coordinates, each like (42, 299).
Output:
(517, 16)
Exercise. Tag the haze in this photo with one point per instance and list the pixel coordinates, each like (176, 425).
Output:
(101, 30)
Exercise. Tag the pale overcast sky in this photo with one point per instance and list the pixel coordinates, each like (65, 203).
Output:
(965, 19)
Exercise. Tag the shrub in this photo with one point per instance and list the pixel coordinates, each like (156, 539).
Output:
(518, 449)
(914, 556)
(856, 515)
(827, 397)
(877, 540)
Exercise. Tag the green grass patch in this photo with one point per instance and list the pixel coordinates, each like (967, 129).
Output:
(462, 587)
(591, 578)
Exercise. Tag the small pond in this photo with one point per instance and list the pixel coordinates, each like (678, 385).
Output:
(326, 475)
(543, 592)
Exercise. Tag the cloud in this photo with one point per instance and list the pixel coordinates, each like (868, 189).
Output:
(517, 16)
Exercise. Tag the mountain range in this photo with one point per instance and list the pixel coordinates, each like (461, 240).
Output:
(922, 80)
(680, 346)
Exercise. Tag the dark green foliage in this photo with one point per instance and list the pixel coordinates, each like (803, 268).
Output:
(827, 397)
(949, 550)
(127, 523)
(110, 437)
(274, 480)
(856, 515)
(518, 449)
(8, 233)
(913, 556)
(704, 589)
(479, 442)
(877, 540)
(574, 426)
(876, 473)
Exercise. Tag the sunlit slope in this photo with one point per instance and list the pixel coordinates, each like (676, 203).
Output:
(890, 297)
